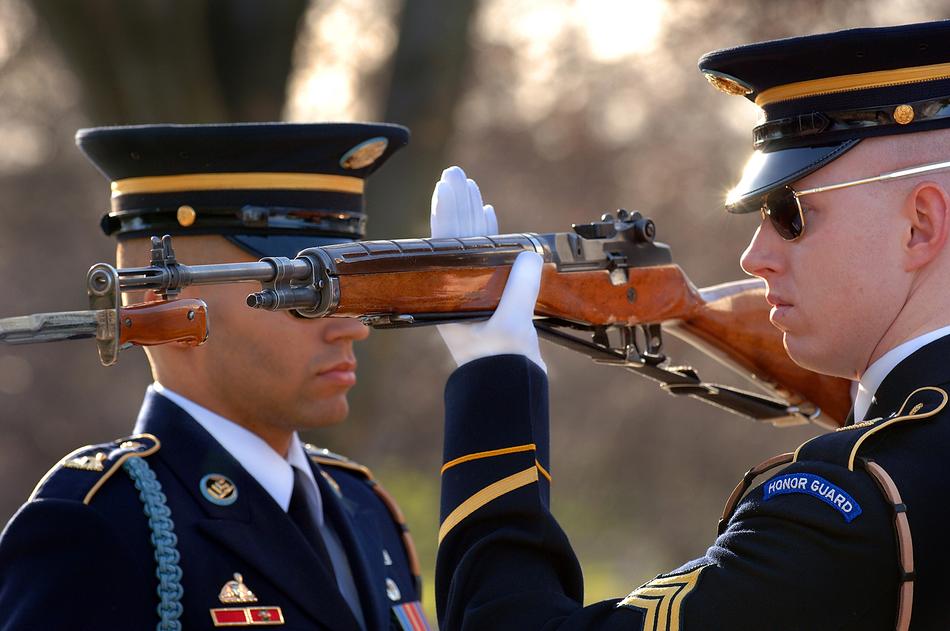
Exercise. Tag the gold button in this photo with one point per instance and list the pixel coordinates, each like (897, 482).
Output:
(186, 216)
(903, 114)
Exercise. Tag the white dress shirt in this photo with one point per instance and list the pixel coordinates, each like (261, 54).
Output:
(273, 472)
(876, 372)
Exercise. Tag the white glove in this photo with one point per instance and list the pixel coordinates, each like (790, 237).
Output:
(457, 211)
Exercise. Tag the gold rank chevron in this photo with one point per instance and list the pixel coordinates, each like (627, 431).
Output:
(662, 598)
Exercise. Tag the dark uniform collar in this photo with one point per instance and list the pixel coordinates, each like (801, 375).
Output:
(927, 366)
(252, 525)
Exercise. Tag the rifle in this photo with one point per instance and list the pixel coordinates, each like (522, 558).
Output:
(608, 290)
(112, 325)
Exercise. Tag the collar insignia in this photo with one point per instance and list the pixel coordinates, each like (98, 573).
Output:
(218, 489)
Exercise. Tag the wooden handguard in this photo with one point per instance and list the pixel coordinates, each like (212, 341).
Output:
(651, 294)
(151, 323)
(729, 322)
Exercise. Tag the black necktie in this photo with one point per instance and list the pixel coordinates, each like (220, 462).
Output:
(303, 511)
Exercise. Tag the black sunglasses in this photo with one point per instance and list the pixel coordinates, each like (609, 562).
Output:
(784, 208)
(785, 212)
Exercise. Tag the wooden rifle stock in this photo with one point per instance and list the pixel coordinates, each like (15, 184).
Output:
(755, 349)
(608, 278)
(728, 322)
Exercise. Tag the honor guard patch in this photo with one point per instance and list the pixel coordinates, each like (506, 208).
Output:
(410, 616)
(816, 486)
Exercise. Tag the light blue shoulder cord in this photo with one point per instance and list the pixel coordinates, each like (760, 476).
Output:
(165, 542)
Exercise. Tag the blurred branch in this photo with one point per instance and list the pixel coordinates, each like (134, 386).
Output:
(178, 60)
(426, 82)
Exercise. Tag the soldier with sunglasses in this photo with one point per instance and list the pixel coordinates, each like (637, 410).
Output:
(851, 178)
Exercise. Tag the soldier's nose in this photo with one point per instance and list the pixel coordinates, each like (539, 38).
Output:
(762, 257)
(345, 329)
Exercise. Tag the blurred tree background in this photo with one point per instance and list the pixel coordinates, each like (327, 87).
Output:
(560, 109)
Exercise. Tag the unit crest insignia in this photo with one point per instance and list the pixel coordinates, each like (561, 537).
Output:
(236, 591)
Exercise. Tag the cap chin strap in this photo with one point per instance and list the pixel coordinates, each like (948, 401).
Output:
(811, 124)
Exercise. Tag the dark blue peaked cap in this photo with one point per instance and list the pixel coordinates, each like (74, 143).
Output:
(271, 188)
(821, 94)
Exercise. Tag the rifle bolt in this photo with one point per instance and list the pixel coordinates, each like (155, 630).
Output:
(631, 294)
(128, 322)
(191, 315)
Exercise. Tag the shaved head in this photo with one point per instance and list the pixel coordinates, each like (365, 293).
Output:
(897, 151)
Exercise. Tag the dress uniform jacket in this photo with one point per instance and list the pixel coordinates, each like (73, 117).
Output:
(814, 546)
(79, 554)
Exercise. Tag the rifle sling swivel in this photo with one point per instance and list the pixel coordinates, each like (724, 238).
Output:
(678, 380)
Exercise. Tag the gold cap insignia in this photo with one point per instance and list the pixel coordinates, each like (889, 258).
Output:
(236, 591)
(186, 216)
(218, 489)
(903, 114)
(87, 463)
(364, 154)
(727, 84)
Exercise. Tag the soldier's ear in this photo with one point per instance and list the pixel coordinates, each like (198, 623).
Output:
(927, 211)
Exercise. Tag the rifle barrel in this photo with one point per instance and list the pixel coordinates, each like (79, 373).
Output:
(178, 276)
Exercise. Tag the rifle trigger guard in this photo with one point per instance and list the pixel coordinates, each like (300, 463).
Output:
(653, 334)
